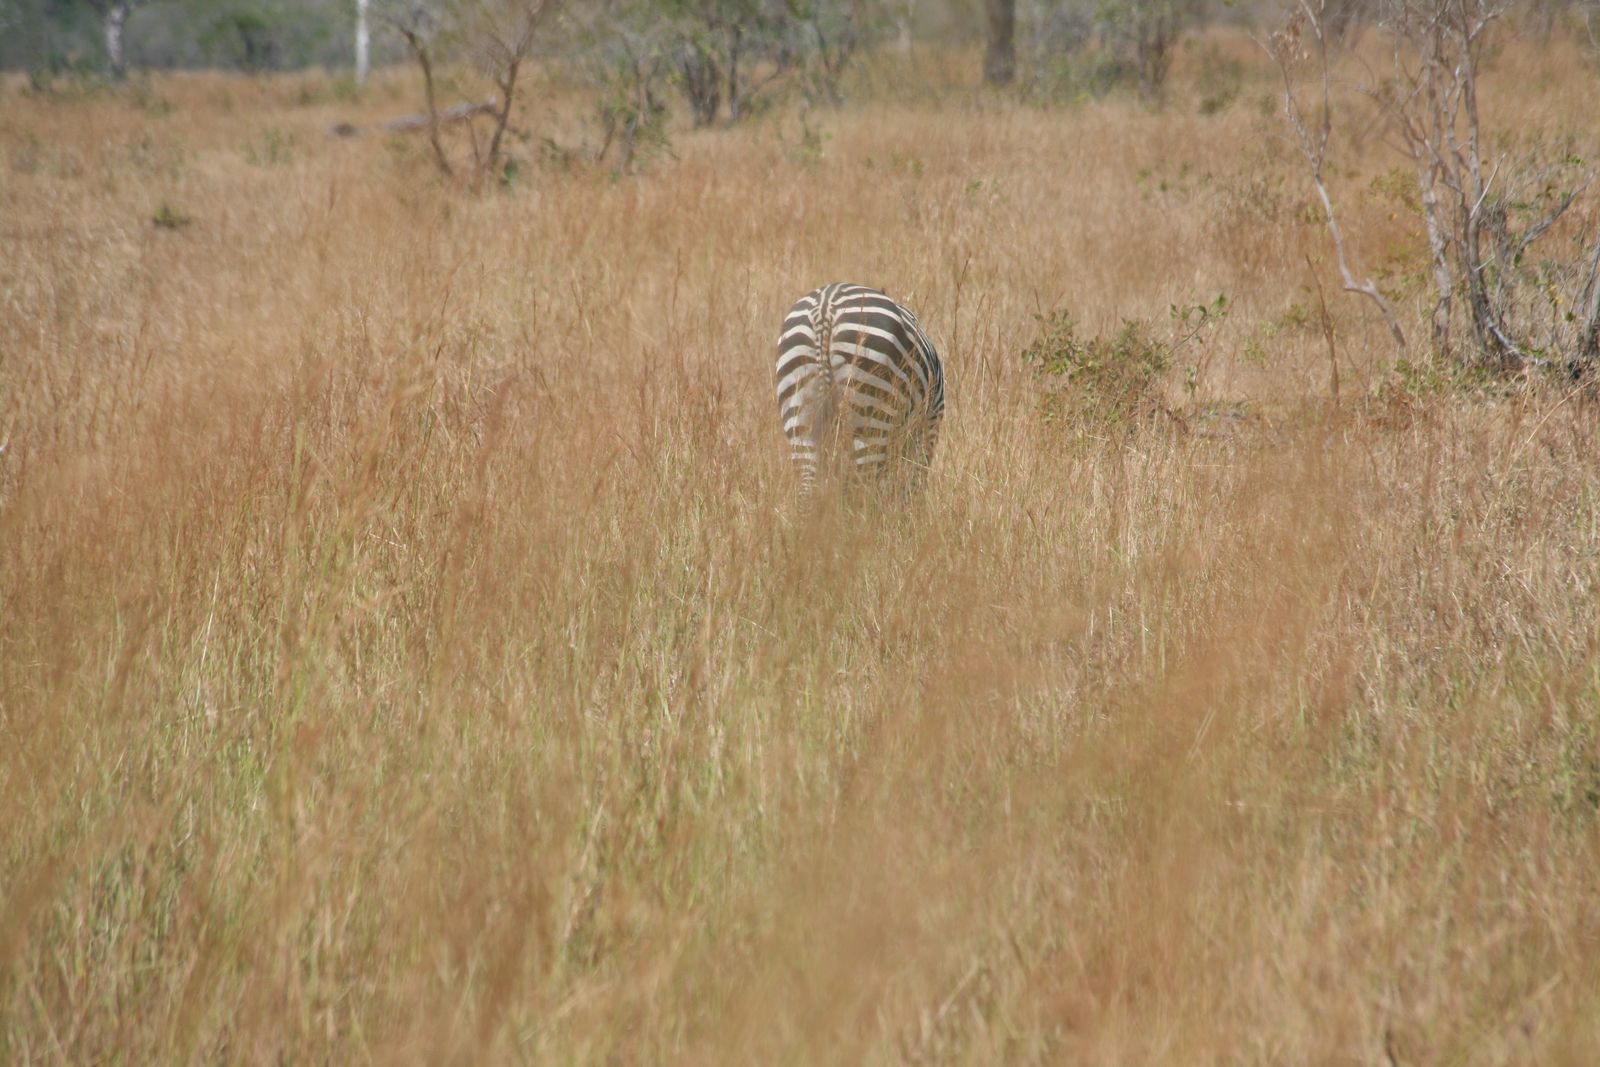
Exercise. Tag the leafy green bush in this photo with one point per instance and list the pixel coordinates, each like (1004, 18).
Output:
(1102, 382)
(167, 217)
(1098, 381)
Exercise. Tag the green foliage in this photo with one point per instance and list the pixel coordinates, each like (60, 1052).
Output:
(1106, 381)
(167, 217)
(1298, 318)
(728, 59)
(1100, 381)
(510, 171)
(1088, 48)
(1191, 323)
(827, 35)
(345, 89)
(53, 37)
(631, 113)
(61, 76)
(154, 156)
(1418, 385)
(244, 38)
(1397, 187)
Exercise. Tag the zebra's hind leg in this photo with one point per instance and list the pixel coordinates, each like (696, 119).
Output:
(808, 417)
(803, 456)
(869, 460)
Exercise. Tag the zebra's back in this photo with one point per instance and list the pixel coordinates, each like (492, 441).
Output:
(856, 372)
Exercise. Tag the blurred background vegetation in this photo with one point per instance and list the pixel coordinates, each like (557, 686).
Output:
(64, 36)
(1114, 37)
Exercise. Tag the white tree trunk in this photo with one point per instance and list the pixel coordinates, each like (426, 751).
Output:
(363, 40)
(116, 18)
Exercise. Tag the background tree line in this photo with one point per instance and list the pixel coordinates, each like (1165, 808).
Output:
(55, 36)
(716, 38)
(717, 53)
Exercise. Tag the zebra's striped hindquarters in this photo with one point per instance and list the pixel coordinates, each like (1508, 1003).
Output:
(860, 386)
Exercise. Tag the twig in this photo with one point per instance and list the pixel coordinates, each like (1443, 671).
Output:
(449, 115)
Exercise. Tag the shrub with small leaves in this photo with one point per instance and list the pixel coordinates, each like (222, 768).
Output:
(1100, 381)
(167, 217)
(1103, 382)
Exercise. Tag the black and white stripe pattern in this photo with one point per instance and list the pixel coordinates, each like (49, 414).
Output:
(855, 370)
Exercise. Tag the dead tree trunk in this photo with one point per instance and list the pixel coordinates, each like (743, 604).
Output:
(419, 51)
(507, 84)
(1589, 338)
(363, 41)
(113, 20)
(1000, 59)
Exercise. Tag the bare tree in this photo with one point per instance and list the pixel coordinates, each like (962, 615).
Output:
(1476, 246)
(1110, 42)
(1301, 40)
(1482, 210)
(828, 35)
(497, 35)
(421, 25)
(1148, 32)
(904, 13)
(1000, 56)
(363, 41)
(1589, 329)
(500, 35)
(1589, 302)
(729, 51)
(1433, 104)
(114, 20)
(633, 69)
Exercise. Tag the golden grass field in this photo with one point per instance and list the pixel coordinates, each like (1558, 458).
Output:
(410, 650)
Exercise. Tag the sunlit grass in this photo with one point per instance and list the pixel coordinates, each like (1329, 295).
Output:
(409, 649)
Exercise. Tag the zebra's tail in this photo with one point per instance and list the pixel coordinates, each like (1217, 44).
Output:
(825, 419)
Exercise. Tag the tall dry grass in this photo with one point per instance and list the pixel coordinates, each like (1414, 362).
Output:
(410, 651)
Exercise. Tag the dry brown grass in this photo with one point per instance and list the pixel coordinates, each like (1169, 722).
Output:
(408, 651)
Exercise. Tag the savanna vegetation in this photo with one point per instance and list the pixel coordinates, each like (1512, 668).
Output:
(411, 651)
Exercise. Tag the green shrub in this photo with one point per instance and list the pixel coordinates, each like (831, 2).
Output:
(1118, 380)
(1100, 381)
(167, 217)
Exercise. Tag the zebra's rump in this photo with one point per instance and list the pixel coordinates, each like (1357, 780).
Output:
(854, 366)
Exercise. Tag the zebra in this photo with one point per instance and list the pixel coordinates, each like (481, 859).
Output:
(855, 366)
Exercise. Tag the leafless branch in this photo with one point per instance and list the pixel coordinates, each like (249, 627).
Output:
(417, 41)
(1537, 230)
(1287, 48)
